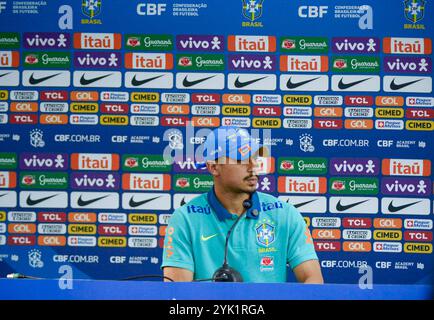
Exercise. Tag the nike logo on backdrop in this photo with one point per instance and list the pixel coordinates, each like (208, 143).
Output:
(83, 203)
(341, 207)
(33, 80)
(137, 83)
(392, 208)
(4, 74)
(84, 81)
(187, 83)
(342, 85)
(31, 202)
(394, 86)
(298, 205)
(134, 204)
(239, 84)
(293, 85)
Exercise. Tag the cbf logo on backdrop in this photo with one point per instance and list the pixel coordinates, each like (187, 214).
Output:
(91, 8)
(252, 11)
(414, 11)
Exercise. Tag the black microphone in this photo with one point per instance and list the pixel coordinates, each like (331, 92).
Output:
(226, 273)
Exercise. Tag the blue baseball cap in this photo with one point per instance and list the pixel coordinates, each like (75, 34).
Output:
(228, 141)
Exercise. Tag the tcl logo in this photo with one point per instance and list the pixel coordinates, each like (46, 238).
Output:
(327, 246)
(118, 108)
(267, 111)
(211, 98)
(54, 95)
(365, 101)
(24, 119)
(327, 124)
(174, 121)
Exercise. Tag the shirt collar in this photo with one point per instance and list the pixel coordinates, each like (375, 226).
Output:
(223, 214)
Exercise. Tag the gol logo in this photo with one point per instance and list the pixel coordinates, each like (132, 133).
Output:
(357, 246)
(53, 119)
(84, 96)
(236, 98)
(52, 241)
(82, 217)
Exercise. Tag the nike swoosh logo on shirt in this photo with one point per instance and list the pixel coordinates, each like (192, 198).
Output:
(343, 86)
(137, 83)
(341, 207)
(31, 202)
(84, 81)
(203, 238)
(392, 208)
(394, 86)
(239, 84)
(134, 204)
(187, 83)
(34, 81)
(83, 203)
(293, 85)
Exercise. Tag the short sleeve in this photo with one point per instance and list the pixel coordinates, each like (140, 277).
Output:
(177, 251)
(300, 247)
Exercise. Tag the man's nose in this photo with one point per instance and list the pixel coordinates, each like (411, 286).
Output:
(253, 165)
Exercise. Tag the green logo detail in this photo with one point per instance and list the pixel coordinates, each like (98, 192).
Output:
(9, 40)
(353, 185)
(304, 44)
(47, 60)
(150, 42)
(8, 160)
(302, 165)
(200, 61)
(145, 163)
(356, 64)
(43, 180)
(192, 182)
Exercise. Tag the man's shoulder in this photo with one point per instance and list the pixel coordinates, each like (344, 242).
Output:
(198, 204)
(266, 198)
(274, 205)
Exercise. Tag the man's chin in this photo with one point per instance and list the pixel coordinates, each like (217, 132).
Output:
(250, 188)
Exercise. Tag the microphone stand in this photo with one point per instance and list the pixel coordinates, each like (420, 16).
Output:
(226, 273)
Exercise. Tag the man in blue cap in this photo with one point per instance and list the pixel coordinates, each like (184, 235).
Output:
(266, 234)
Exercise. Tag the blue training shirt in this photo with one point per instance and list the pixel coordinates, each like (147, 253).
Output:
(260, 247)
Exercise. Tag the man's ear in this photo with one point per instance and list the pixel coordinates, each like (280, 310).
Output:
(212, 168)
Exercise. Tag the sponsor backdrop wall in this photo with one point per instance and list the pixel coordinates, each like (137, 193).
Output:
(92, 93)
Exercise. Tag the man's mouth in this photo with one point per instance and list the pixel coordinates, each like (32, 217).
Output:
(252, 179)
